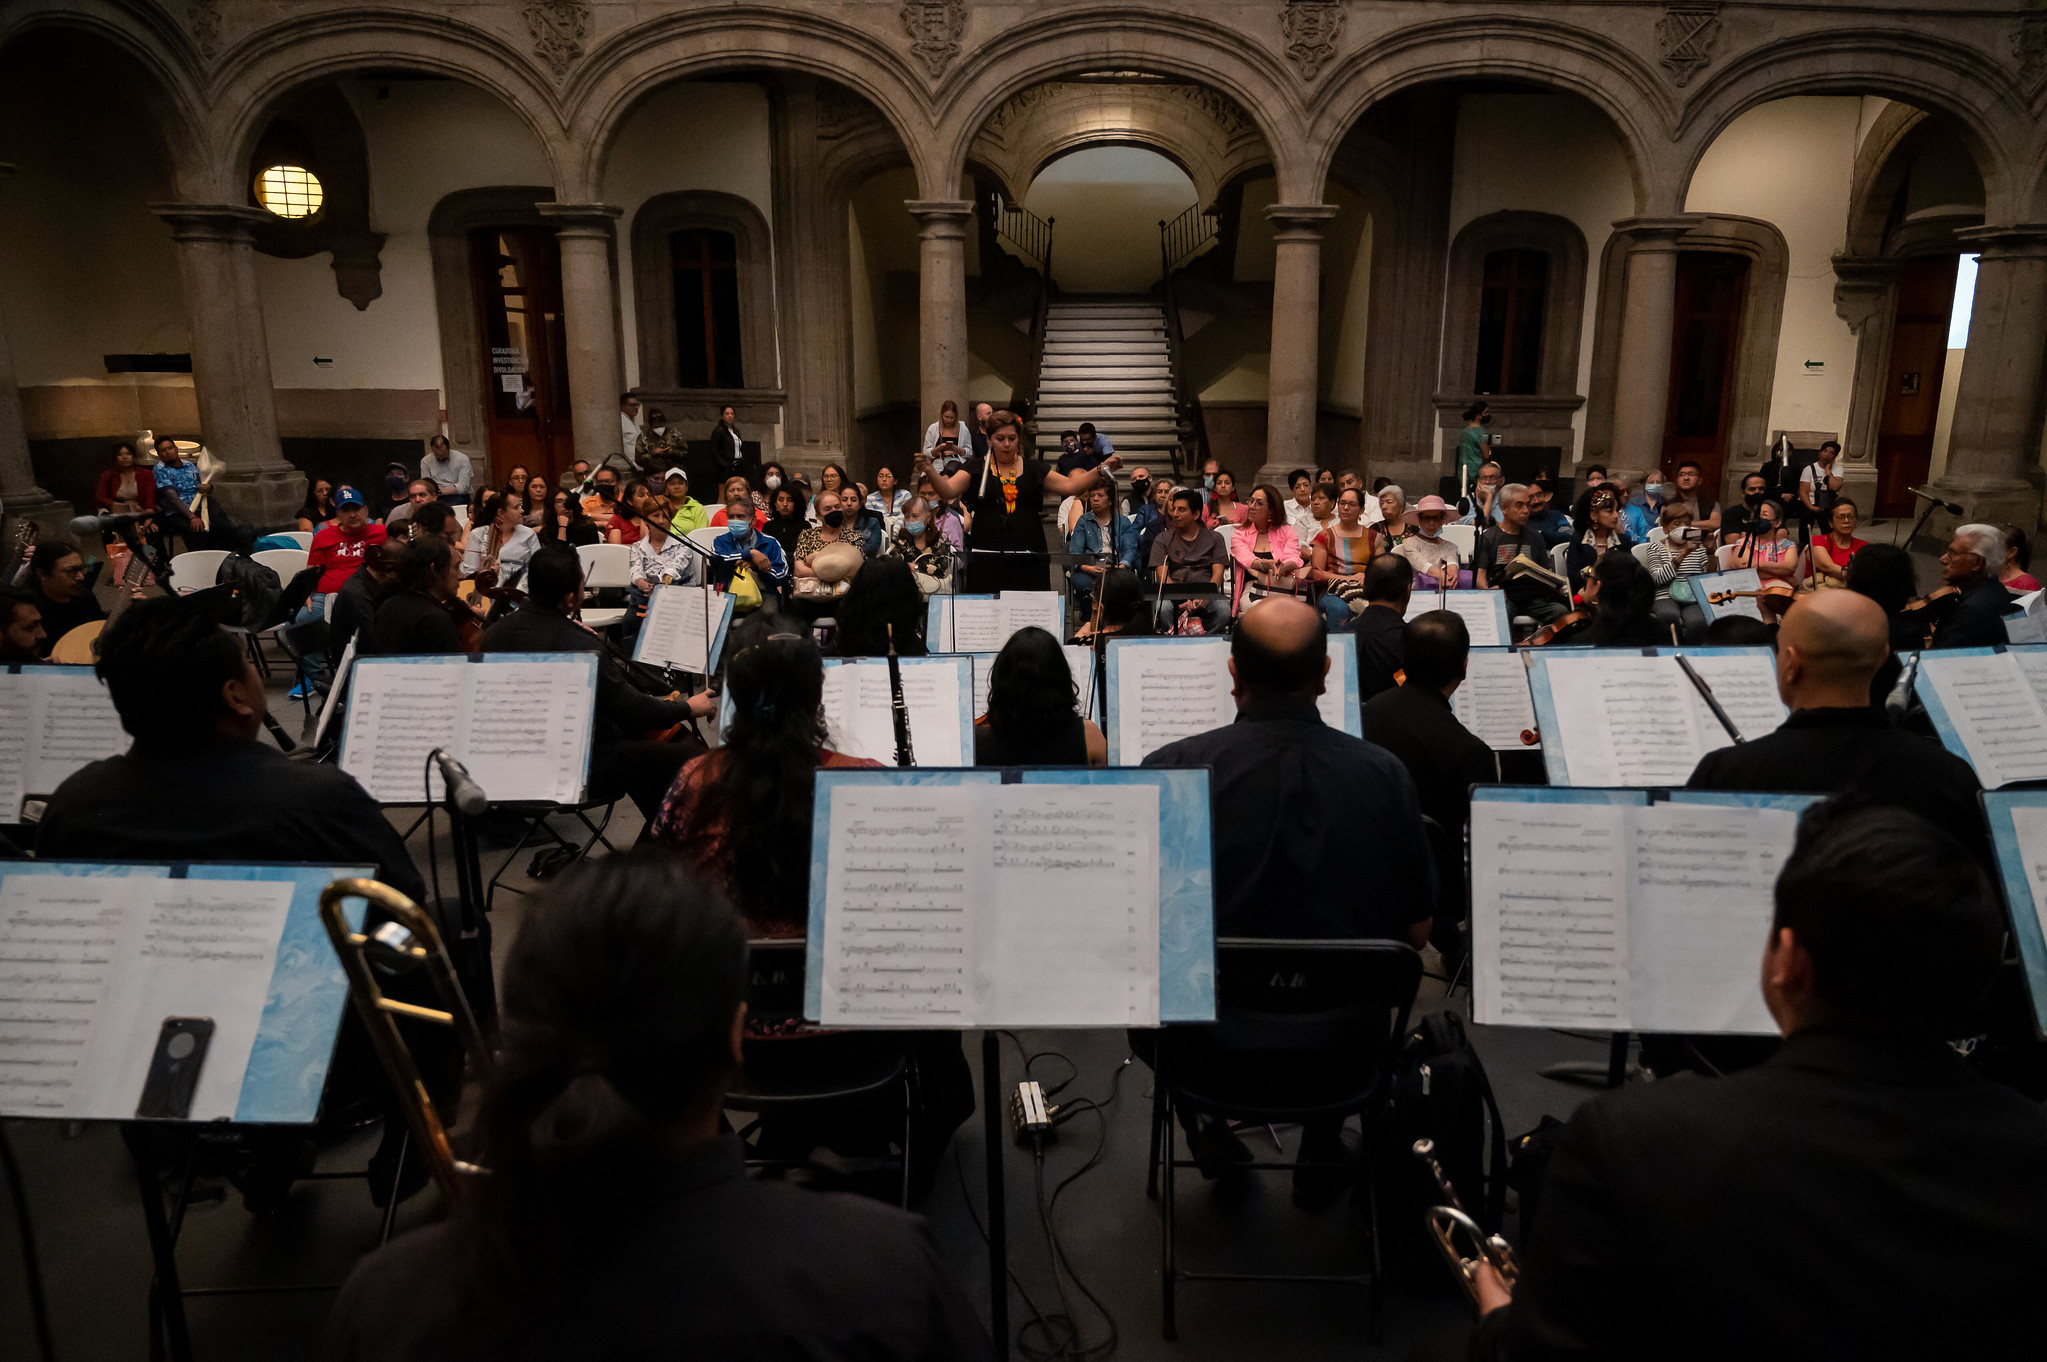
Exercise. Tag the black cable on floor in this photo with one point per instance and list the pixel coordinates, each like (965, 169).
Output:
(32, 1269)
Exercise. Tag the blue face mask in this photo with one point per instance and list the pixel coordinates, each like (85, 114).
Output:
(1208, 480)
(913, 528)
(742, 535)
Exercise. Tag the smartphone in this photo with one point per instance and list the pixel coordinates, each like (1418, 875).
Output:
(174, 1068)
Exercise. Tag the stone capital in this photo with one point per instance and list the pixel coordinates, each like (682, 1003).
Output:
(230, 224)
(2015, 241)
(941, 219)
(1298, 221)
(1656, 233)
(581, 219)
(1862, 288)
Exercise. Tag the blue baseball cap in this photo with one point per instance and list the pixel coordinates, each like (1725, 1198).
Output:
(347, 496)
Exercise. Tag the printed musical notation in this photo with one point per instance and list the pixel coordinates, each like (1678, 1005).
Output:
(1165, 691)
(1629, 719)
(984, 904)
(1995, 712)
(683, 628)
(859, 711)
(1701, 904)
(521, 726)
(1548, 897)
(91, 965)
(1480, 609)
(1494, 702)
(982, 624)
(53, 720)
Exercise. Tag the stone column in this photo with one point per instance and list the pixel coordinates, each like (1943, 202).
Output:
(1641, 399)
(811, 267)
(1995, 439)
(1865, 297)
(231, 360)
(18, 490)
(590, 321)
(942, 299)
(1293, 382)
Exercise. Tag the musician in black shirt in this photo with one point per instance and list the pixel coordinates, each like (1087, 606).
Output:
(616, 1221)
(1975, 618)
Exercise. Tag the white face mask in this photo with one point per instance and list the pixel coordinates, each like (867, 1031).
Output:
(773, 480)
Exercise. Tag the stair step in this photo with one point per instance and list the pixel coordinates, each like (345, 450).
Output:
(1069, 418)
(1050, 389)
(1071, 354)
(1105, 316)
(1126, 443)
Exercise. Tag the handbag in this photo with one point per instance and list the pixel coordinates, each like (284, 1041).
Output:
(745, 590)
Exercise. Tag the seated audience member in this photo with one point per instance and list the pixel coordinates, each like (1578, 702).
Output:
(354, 607)
(886, 500)
(1268, 558)
(1622, 598)
(59, 592)
(625, 759)
(1275, 776)
(234, 797)
(882, 602)
(21, 628)
(1692, 492)
(567, 523)
(125, 489)
(832, 478)
(1837, 740)
(1974, 616)
(1598, 534)
(737, 487)
(1833, 551)
(1677, 551)
(1154, 520)
(500, 541)
(1545, 519)
(539, 503)
(1426, 551)
(419, 494)
(1189, 554)
(920, 541)
(1100, 532)
(831, 528)
(2017, 574)
(1768, 547)
(1340, 554)
(1508, 539)
(1389, 583)
(785, 517)
(1862, 1194)
(1394, 519)
(660, 557)
(1223, 506)
(1033, 716)
(1300, 506)
(601, 492)
(752, 567)
(318, 508)
(337, 551)
(1415, 723)
(687, 513)
(423, 613)
(617, 1220)
(1481, 507)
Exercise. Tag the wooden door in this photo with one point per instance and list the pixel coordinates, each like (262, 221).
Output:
(1705, 337)
(517, 274)
(1904, 436)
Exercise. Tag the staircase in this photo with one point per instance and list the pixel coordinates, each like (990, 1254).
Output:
(1105, 361)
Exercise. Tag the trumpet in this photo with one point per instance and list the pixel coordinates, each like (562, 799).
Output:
(1465, 1244)
(412, 935)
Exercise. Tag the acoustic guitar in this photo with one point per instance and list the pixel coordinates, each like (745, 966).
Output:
(80, 646)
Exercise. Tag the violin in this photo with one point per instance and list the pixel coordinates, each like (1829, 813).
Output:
(1768, 589)
(1549, 633)
(467, 623)
(1929, 612)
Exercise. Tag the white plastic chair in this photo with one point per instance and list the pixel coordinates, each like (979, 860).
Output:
(1560, 558)
(605, 566)
(196, 569)
(1465, 537)
(304, 537)
(286, 563)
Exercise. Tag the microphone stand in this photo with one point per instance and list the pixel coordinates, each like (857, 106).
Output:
(469, 891)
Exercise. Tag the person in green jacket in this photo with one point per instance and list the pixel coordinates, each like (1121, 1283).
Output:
(689, 512)
(1474, 447)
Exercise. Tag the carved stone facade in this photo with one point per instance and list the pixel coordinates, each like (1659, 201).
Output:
(935, 28)
(1684, 40)
(558, 28)
(1311, 28)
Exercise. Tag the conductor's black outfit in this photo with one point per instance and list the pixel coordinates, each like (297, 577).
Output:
(1853, 1197)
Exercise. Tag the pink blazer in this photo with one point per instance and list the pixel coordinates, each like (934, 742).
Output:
(1279, 540)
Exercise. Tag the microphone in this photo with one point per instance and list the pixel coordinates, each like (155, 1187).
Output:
(467, 796)
(85, 526)
(1951, 507)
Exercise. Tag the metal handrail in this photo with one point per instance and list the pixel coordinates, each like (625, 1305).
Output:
(1187, 236)
(1025, 230)
(1186, 402)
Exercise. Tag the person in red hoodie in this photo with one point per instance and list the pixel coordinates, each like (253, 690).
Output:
(338, 549)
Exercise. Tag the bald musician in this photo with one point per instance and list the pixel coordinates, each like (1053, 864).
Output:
(1834, 740)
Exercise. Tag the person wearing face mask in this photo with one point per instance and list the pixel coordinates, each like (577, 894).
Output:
(1427, 552)
(756, 552)
(1736, 520)
(919, 542)
(659, 444)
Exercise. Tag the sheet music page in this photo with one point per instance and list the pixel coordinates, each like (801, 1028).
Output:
(2030, 624)
(59, 935)
(984, 672)
(1549, 914)
(76, 725)
(17, 718)
(1169, 691)
(1023, 609)
(1991, 704)
(931, 693)
(977, 625)
(900, 889)
(2033, 666)
(676, 632)
(2031, 826)
(1343, 661)
(1702, 899)
(1081, 662)
(1745, 684)
(1735, 579)
(1070, 928)
(1624, 719)
(397, 713)
(1494, 702)
(1481, 615)
(332, 704)
(528, 729)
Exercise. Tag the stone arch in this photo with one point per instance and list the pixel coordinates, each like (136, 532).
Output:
(626, 68)
(153, 43)
(1063, 43)
(653, 291)
(1932, 74)
(1540, 53)
(261, 69)
(1762, 323)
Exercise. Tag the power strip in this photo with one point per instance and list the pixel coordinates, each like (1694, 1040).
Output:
(1029, 1113)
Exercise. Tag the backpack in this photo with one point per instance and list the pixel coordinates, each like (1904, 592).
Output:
(255, 586)
(1440, 1092)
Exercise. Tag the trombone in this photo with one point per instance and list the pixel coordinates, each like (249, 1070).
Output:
(1465, 1245)
(410, 935)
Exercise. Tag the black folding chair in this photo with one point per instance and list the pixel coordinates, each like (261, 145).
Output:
(783, 1074)
(1305, 1031)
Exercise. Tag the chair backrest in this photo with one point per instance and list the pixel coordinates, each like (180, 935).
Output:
(1560, 558)
(1465, 537)
(305, 537)
(1727, 557)
(775, 979)
(1305, 995)
(286, 563)
(305, 640)
(196, 570)
(1641, 552)
(706, 538)
(606, 565)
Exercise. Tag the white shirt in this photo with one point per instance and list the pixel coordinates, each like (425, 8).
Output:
(672, 560)
(1303, 521)
(452, 475)
(1806, 476)
(628, 436)
(513, 554)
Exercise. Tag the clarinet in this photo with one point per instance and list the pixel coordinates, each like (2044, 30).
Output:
(904, 757)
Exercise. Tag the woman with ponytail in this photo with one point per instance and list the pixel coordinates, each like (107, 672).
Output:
(616, 1220)
(741, 812)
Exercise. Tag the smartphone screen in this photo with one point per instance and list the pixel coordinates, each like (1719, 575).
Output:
(174, 1068)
